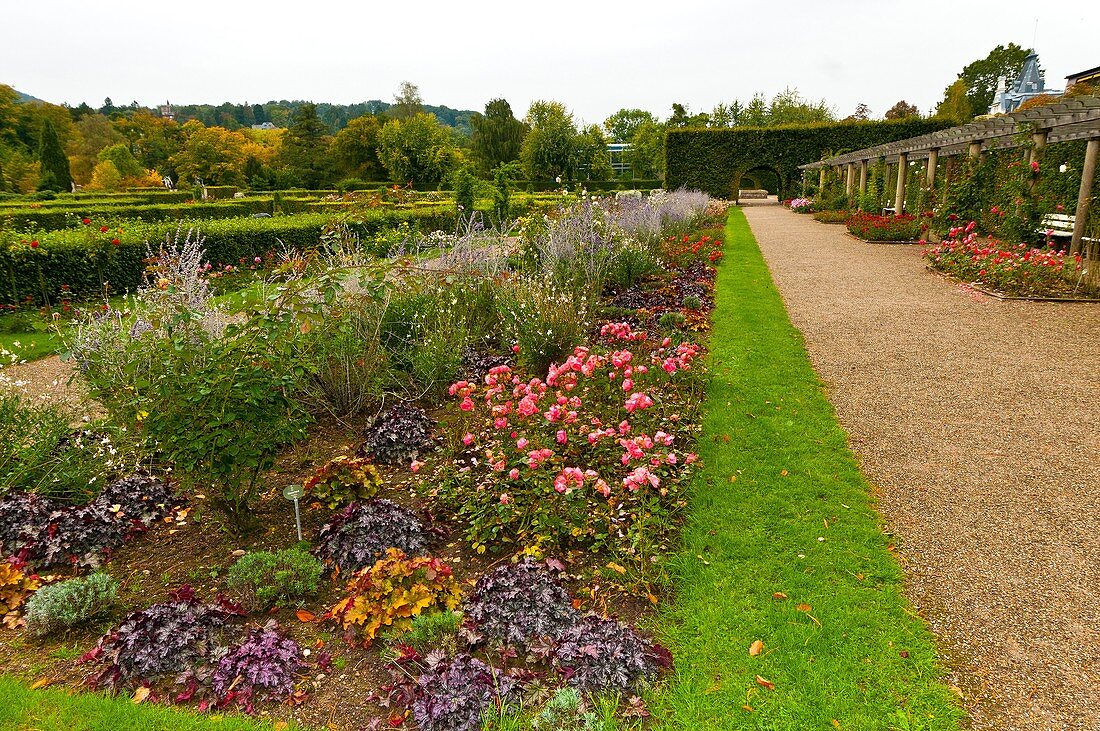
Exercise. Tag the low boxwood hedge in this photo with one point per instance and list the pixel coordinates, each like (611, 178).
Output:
(85, 262)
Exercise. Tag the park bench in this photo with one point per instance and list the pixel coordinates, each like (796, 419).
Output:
(752, 193)
(1058, 227)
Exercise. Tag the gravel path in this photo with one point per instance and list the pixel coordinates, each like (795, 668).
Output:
(978, 423)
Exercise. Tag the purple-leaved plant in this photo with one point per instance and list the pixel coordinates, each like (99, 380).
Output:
(598, 655)
(360, 534)
(453, 695)
(262, 667)
(518, 603)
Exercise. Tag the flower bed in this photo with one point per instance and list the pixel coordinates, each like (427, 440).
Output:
(832, 216)
(802, 205)
(574, 369)
(1014, 270)
(869, 227)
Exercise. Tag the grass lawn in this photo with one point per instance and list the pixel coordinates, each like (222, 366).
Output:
(784, 546)
(23, 709)
(30, 345)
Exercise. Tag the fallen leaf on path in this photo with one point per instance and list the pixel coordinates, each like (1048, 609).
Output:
(756, 648)
(764, 682)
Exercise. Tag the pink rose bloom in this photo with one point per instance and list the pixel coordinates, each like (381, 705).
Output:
(468, 439)
(522, 443)
(467, 404)
(513, 474)
(628, 385)
(505, 498)
(562, 437)
(415, 466)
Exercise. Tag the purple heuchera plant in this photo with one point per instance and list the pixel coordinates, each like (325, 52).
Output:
(398, 435)
(22, 516)
(452, 696)
(263, 666)
(46, 534)
(167, 637)
(598, 655)
(360, 534)
(518, 603)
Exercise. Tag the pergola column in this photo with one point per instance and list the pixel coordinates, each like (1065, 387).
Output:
(851, 182)
(933, 160)
(1038, 142)
(863, 177)
(821, 181)
(805, 181)
(899, 198)
(1088, 172)
(975, 150)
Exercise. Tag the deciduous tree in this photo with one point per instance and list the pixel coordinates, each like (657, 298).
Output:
(497, 135)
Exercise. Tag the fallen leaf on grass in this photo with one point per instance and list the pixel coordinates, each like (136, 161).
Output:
(779, 595)
(616, 567)
(783, 473)
(748, 708)
(804, 608)
(280, 726)
(836, 723)
(756, 648)
(304, 616)
(41, 683)
(141, 694)
(764, 682)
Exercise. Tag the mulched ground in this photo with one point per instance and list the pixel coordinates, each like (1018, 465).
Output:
(978, 421)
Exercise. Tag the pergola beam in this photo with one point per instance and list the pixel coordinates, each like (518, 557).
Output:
(1070, 119)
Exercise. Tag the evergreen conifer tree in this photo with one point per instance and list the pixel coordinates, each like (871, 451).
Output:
(54, 163)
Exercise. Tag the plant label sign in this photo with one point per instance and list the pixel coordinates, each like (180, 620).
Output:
(294, 493)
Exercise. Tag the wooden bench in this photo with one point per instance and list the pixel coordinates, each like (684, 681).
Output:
(1058, 227)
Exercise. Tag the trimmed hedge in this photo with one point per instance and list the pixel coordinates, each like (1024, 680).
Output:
(714, 160)
(86, 263)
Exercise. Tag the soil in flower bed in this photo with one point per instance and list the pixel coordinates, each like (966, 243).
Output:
(198, 553)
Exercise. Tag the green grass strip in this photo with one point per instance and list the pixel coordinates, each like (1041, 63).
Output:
(23, 709)
(781, 507)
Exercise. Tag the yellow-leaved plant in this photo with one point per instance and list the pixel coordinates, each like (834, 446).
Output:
(393, 591)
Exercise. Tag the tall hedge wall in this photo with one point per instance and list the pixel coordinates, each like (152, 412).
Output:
(713, 160)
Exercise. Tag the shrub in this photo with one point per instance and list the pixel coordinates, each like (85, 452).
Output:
(263, 666)
(70, 603)
(693, 302)
(40, 452)
(342, 480)
(1016, 270)
(517, 603)
(263, 579)
(869, 227)
(398, 436)
(360, 534)
(214, 397)
(545, 323)
(392, 592)
(166, 638)
(833, 216)
(605, 656)
(632, 264)
(432, 631)
(454, 695)
(15, 587)
(671, 320)
(591, 458)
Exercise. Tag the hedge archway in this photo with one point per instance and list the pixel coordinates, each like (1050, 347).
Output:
(714, 160)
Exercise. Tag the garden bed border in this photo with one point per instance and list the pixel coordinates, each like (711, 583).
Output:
(1008, 297)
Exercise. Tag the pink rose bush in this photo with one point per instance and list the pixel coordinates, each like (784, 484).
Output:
(589, 457)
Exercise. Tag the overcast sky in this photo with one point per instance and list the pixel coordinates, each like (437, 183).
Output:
(596, 57)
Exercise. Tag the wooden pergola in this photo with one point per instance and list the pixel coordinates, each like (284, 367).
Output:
(1076, 118)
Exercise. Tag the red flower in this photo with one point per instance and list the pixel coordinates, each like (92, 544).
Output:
(103, 229)
(85, 221)
(116, 242)
(34, 244)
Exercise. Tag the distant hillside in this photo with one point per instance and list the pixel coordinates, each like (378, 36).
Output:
(21, 97)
